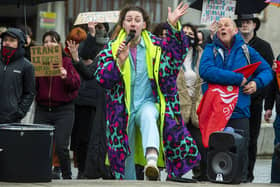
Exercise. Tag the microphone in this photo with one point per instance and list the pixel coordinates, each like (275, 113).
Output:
(130, 36)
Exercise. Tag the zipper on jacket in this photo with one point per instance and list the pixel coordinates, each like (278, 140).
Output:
(5, 67)
(49, 95)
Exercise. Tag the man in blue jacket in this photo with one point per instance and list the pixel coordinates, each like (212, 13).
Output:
(220, 59)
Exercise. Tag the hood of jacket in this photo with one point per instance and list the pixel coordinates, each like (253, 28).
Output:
(15, 33)
(20, 36)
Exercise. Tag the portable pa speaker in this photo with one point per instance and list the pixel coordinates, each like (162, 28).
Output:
(225, 157)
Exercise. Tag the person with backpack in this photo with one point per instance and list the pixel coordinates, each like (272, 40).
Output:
(248, 25)
(219, 60)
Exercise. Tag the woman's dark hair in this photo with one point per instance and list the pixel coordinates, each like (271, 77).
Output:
(55, 37)
(122, 15)
(53, 34)
(203, 37)
(193, 28)
(158, 30)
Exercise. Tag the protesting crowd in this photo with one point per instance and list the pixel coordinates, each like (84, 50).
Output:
(133, 101)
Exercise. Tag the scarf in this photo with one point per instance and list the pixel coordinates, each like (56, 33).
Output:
(7, 54)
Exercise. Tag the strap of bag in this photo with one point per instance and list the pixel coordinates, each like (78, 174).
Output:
(246, 53)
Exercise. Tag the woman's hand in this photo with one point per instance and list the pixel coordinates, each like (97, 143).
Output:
(91, 28)
(63, 73)
(179, 11)
(73, 48)
(123, 52)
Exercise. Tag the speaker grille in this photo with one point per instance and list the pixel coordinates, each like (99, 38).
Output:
(222, 163)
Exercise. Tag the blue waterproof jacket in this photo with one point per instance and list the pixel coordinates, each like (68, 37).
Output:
(217, 66)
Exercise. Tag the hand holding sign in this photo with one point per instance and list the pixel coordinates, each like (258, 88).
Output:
(63, 73)
(91, 28)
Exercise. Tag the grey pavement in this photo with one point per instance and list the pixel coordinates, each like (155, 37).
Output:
(262, 179)
(114, 183)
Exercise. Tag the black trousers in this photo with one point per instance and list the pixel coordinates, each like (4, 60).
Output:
(84, 120)
(97, 148)
(255, 125)
(196, 134)
(242, 125)
(62, 119)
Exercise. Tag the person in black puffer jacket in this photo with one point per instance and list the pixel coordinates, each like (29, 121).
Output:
(17, 78)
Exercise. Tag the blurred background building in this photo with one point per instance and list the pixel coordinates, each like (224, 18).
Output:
(60, 15)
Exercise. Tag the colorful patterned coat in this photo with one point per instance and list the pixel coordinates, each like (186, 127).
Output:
(164, 59)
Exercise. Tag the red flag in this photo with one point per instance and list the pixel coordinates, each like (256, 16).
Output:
(217, 105)
(248, 70)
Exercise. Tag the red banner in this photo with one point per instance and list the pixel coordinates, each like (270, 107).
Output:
(217, 105)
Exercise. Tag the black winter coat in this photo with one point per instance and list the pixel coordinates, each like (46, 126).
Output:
(266, 52)
(17, 85)
(273, 94)
(93, 93)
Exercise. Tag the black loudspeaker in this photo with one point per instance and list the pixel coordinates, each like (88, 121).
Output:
(225, 157)
(26, 154)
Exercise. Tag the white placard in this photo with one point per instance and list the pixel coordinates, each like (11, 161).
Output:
(215, 9)
(99, 16)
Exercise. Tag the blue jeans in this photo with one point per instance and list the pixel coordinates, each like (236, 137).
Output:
(275, 169)
(146, 118)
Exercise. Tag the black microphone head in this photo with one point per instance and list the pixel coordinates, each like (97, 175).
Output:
(130, 36)
(132, 33)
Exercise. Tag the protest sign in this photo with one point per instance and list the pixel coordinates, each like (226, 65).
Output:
(213, 10)
(100, 16)
(46, 60)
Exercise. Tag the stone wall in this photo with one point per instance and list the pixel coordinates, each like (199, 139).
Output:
(270, 29)
(265, 140)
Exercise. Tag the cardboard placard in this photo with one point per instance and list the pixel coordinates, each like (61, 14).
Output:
(99, 16)
(213, 10)
(46, 60)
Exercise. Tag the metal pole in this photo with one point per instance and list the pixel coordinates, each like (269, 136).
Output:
(24, 12)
